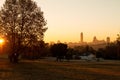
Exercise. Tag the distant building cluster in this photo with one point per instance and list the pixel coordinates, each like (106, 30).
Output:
(96, 44)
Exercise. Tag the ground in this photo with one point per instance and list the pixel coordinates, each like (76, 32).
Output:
(46, 69)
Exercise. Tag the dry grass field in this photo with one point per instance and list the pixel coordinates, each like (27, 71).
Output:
(51, 70)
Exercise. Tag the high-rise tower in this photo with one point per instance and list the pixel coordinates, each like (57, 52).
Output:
(108, 39)
(95, 39)
(81, 37)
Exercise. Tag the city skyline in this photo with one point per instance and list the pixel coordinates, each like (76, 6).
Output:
(66, 19)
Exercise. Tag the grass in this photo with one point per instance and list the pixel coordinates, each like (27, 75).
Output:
(51, 70)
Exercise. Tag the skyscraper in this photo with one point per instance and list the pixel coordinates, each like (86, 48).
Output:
(95, 39)
(108, 39)
(81, 37)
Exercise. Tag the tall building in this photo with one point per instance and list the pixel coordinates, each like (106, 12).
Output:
(108, 39)
(95, 39)
(81, 37)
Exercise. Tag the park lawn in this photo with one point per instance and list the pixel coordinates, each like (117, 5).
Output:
(85, 70)
(52, 70)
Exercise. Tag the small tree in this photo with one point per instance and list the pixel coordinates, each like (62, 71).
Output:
(111, 51)
(118, 46)
(22, 23)
(59, 50)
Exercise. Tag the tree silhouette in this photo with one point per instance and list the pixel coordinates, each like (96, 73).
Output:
(59, 50)
(22, 23)
(118, 46)
(111, 51)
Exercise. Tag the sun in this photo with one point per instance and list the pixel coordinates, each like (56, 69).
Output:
(1, 41)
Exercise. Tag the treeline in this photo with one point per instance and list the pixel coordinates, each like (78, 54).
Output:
(61, 50)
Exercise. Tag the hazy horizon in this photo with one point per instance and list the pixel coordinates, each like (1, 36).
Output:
(66, 19)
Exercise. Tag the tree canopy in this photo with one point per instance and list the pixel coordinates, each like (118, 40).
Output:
(22, 23)
(59, 50)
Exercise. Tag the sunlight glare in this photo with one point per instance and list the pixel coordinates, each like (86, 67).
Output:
(1, 41)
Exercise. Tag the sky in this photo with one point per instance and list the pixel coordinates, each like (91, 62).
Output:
(66, 19)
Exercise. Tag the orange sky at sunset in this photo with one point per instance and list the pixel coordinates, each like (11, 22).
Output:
(66, 19)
